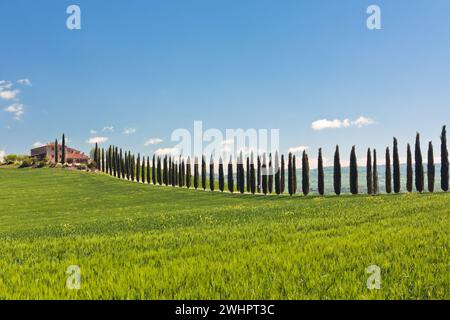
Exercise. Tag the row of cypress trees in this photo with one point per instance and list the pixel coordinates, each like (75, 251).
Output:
(268, 175)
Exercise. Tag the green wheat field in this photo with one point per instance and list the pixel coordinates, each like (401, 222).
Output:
(135, 241)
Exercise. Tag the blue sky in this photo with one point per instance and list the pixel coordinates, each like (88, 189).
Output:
(155, 66)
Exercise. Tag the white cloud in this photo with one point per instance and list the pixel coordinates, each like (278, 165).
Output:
(38, 144)
(98, 140)
(298, 149)
(108, 129)
(9, 94)
(166, 151)
(129, 130)
(362, 122)
(25, 81)
(5, 85)
(2, 155)
(16, 108)
(323, 124)
(153, 141)
(93, 132)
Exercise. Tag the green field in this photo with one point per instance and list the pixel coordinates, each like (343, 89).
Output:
(135, 241)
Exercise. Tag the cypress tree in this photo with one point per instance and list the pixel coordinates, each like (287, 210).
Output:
(277, 174)
(148, 170)
(196, 173)
(353, 172)
(103, 160)
(258, 174)
(388, 176)
(138, 168)
(106, 162)
(221, 176)
(337, 172)
(252, 175)
(158, 171)
(369, 174)
(270, 178)
(165, 171)
(133, 167)
(430, 167)
(114, 161)
(230, 175)
(282, 176)
(95, 155)
(264, 174)
(294, 175)
(63, 151)
(154, 169)
(211, 173)
(444, 160)
(127, 166)
(111, 164)
(376, 188)
(122, 164)
(181, 173)
(143, 170)
(241, 174)
(396, 167)
(174, 173)
(320, 174)
(409, 170)
(56, 151)
(247, 174)
(203, 173)
(290, 174)
(305, 174)
(170, 171)
(188, 173)
(419, 165)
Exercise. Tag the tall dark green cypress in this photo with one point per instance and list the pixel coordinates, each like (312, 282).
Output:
(95, 155)
(388, 174)
(259, 181)
(196, 177)
(103, 160)
(106, 161)
(277, 174)
(165, 171)
(353, 172)
(188, 173)
(444, 160)
(282, 176)
(419, 165)
(203, 172)
(369, 173)
(376, 188)
(294, 175)
(264, 174)
(409, 169)
(170, 171)
(396, 167)
(154, 169)
(430, 167)
(56, 151)
(221, 176)
(138, 168)
(305, 173)
(143, 170)
(230, 175)
(252, 174)
(158, 171)
(122, 164)
(114, 161)
(337, 174)
(133, 167)
(320, 174)
(148, 170)
(290, 174)
(270, 177)
(241, 174)
(63, 151)
(110, 160)
(247, 174)
(211, 173)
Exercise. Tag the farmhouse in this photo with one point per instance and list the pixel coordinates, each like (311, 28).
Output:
(48, 151)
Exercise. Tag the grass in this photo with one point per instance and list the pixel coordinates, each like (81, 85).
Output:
(135, 241)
